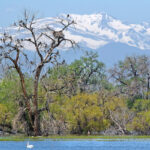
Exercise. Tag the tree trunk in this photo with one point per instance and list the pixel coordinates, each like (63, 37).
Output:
(27, 103)
(37, 129)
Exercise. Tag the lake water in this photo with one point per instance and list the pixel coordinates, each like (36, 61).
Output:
(139, 144)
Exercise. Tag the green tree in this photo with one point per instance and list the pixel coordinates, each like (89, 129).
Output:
(141, 105)
(141, 123)
(5, 117)
(89, 72)
(84, 115)
(84, 75)
(132, 76)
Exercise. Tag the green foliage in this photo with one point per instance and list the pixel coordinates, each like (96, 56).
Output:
(81, 99)
(141, 122)
(132, 77)
(89, 69)
(141, 105)
(9, 87)
(83, 114)
(5, 115)
(84, 75)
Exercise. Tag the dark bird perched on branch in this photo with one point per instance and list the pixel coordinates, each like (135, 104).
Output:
(58, 34)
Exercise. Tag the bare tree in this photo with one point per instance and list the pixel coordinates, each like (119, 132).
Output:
(45, 43)
(132, 76)
(121, 117)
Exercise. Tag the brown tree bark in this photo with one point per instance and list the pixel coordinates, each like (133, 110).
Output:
(13, 50)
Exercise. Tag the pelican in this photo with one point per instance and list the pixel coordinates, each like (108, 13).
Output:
(29, 145)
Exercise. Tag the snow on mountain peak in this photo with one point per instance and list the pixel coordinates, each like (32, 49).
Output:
(96, 30)
(105, 29)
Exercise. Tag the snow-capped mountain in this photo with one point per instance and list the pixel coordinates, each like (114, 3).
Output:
(96, 31)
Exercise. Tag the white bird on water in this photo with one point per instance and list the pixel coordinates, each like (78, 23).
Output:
(29, 145)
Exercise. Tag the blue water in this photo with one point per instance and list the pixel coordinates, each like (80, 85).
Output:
(78, 145)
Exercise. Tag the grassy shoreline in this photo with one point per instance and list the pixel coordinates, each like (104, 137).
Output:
(70, 137)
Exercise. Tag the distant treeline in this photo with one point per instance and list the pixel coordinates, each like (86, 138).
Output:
(82, 98)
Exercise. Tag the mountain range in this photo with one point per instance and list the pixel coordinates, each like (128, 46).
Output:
(110, 37)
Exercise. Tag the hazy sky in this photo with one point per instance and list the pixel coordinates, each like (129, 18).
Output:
(130, 11)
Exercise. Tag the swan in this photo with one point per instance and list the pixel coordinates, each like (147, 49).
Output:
(29, 145)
